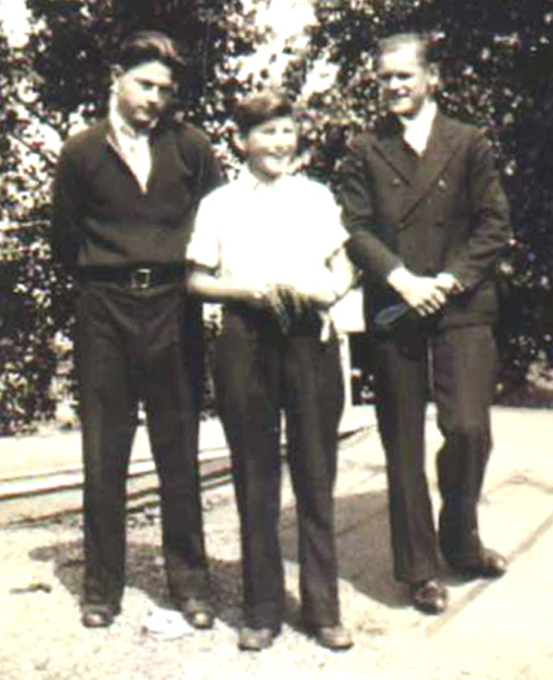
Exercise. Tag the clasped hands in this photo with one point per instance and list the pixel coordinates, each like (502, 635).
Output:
(425, 294)
(286, 303)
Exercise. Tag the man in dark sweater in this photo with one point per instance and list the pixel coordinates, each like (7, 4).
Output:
(125, 196)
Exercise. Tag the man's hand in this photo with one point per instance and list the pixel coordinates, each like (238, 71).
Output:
(423, 293)
(449, 283)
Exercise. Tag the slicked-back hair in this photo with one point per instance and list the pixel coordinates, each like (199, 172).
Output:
(259, 108)
(396, 41)
(144, 46)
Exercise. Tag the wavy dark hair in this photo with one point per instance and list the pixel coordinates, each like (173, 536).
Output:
(144, 46)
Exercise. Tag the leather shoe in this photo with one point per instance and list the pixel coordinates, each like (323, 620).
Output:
(93, 617)
(488, 564)
(337, 638)
(429, 597)
(198, 613)
(255, 639)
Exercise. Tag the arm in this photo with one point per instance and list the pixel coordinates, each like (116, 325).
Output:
(340, 278)
(364, 248)
(66, 210)
(197, 152)
(490, 210)
(223, 288)
(210, 172)
(213, 288)
(367, 251)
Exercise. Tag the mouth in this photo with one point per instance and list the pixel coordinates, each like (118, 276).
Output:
(279, 156)
(399, 96)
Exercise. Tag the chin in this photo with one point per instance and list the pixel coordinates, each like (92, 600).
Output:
(402, 109)
(275, 173)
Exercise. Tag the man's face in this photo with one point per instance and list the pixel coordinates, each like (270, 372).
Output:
(270, 147)
(405, 81)
(143, 93)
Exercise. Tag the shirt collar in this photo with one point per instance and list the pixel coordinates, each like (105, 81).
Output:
(119, 126)
(250, 182)
(416, 131)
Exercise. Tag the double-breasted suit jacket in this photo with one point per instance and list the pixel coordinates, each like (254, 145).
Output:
(445, 211)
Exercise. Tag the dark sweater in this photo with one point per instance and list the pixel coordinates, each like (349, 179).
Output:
(101, 217)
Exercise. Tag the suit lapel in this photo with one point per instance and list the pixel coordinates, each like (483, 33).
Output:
(390, 145)
(441, 147)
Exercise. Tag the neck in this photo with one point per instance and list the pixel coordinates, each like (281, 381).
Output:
(118, 115)
(263, 177)
(428, 106)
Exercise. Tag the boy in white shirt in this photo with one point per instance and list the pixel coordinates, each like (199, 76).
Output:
(269, 246)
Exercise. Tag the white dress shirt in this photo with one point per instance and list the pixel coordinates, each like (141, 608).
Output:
(132, 146)
(286, 232)
(416, 131)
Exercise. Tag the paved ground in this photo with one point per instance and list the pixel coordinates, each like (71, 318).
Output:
(492, 630)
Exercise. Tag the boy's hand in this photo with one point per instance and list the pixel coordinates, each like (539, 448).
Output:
(276, 302)
(285, 302)
(294, 301)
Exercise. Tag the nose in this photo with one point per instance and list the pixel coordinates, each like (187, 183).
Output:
(283, 141)
(154, 96)
(395, 83)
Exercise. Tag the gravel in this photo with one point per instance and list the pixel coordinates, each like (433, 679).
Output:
(41, 637)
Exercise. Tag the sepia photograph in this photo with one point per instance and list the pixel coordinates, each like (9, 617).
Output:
(276, 339)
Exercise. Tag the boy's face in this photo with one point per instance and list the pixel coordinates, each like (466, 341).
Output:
(405, 81)
(270, 147)
(143, 93)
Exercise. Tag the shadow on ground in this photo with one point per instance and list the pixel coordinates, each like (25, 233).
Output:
(145, 573)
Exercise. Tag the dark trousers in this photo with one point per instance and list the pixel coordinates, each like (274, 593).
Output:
(132, 346)
(259, 373)
(459, 366)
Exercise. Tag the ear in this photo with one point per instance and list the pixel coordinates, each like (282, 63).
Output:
(240, 141)
(116, 73)
(434, 77)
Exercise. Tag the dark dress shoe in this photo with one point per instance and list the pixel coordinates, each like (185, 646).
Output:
(488, 564)
(337, 638)
(429, 597)
(94, 617)
(255, 639)
(198, 613)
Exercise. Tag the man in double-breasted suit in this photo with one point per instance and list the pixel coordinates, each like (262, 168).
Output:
(428, 218)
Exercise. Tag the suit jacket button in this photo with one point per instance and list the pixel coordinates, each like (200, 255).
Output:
(396, 182)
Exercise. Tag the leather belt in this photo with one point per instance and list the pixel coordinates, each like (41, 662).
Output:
(134, 278)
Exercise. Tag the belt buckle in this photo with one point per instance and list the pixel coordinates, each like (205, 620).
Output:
(140, 279)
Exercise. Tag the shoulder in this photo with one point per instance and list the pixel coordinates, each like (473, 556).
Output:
(461, 129)
(86, 140)
(362, 140)
(306, 185)
(219, 197)
(382, 129)
(190, 138)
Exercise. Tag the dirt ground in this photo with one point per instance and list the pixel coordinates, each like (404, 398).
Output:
(492, 631)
